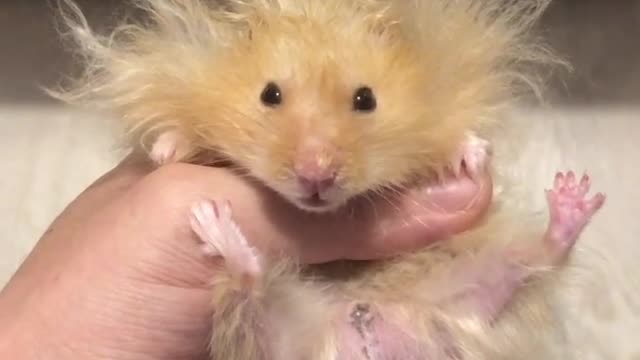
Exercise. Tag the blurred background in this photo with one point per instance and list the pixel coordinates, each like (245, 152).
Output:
(50, 153)
(599, 37)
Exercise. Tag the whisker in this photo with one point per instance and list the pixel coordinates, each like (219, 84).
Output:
(382, 194)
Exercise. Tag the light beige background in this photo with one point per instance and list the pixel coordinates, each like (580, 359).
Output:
(49, 153)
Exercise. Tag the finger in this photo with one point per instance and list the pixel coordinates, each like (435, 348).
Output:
(424, 217)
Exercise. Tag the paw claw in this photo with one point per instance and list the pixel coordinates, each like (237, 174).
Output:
(558, 180)
(585, 184)
(585, 180)
(571, 177)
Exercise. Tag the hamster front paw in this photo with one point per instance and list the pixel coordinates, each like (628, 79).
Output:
(167, 148)
(473, 156)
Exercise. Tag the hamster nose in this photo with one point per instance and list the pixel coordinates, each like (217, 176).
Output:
(317, 183)
(316, 165)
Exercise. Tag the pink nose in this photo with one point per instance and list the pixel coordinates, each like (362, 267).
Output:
(316, 165)
(318, 183)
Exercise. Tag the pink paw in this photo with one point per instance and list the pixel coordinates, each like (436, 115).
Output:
(473, 156)
(164, 149)
(221, 236)
(569, 210)
(169, 147)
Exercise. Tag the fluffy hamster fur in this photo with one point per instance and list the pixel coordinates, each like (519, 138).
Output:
(439, 69)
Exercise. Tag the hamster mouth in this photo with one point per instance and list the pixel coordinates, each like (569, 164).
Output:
(314, 201)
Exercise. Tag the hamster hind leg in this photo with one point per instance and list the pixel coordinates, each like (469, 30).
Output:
(260, 306)
(238, 317)
(474, 289)
(487, 282)
(269, 312)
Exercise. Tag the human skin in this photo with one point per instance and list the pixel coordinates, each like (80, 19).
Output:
(119, 274)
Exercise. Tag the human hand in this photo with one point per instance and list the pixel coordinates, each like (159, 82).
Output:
(119, 274)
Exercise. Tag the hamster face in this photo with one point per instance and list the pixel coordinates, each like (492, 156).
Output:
(322, 115)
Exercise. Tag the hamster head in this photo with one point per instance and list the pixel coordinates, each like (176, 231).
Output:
(322, 112)
(320, 100)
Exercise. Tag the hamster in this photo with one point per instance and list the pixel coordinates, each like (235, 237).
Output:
(326, 101)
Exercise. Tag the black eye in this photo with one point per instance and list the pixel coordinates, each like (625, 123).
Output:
(364, 100)
(271, 95)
